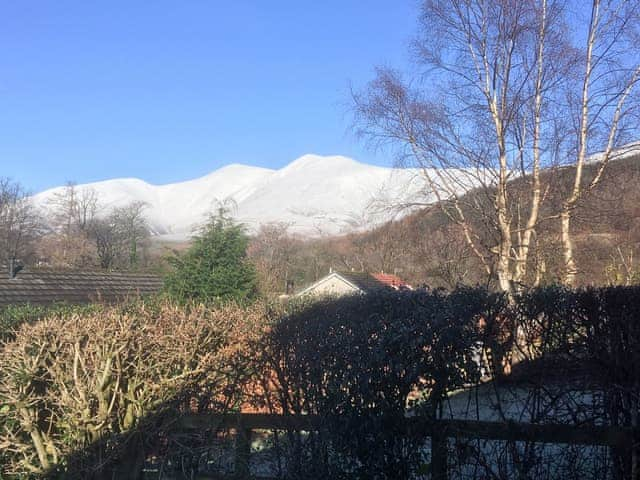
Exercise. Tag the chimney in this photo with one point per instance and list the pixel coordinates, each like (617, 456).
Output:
(289, 289)
(14, 268)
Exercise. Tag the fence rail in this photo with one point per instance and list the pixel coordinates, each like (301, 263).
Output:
(439, 431)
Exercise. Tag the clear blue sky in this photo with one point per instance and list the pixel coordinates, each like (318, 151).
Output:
(171, 90)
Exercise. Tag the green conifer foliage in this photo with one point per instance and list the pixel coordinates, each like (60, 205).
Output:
(216, 267)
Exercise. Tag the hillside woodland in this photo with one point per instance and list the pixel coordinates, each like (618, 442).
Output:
(424, 247)
(428, 248)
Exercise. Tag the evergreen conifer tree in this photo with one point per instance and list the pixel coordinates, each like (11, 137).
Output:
(216, 267)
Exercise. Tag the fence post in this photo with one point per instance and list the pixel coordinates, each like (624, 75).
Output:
(635, 456)
(242, 451)
(439, 467)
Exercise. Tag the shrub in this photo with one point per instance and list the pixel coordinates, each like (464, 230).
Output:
(359, 362)
(355, 361)
(80, 391)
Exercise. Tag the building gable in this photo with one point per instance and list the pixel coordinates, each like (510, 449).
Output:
(343, 283)
(332, 284)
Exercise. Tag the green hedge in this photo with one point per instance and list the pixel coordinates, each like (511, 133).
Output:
(13, 316)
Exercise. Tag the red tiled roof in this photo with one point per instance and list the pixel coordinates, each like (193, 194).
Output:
(390, 280)
(361, 280)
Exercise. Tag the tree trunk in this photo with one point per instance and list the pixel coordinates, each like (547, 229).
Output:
(570, 269)
(503, 266)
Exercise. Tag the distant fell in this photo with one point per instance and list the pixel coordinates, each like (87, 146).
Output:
(315, 195)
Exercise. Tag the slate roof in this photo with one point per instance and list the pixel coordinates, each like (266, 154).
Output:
(45, 287)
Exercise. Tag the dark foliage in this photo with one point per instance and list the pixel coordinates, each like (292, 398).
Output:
(356, 362)
(363, 363)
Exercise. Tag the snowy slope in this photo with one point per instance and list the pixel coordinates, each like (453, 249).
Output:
(314, 195)
(323, 195)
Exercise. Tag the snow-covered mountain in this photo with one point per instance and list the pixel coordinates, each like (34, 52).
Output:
(314, 195)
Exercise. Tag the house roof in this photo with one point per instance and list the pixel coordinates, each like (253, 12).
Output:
(390, 280)
(363, 281)
(45, 287)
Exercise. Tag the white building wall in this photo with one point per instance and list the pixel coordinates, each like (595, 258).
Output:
(332, 285)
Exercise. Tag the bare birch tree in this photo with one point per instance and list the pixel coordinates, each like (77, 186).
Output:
(481, 117)
(495, 108)
(606, 109)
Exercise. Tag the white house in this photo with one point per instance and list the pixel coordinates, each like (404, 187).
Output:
(347, 283)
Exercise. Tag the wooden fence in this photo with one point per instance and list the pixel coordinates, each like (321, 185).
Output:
(438, 430)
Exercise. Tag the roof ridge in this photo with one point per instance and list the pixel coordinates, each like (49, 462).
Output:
(43, 287)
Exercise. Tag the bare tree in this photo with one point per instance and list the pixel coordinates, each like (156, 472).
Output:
(19, 223)
(132, 228)
(83, 235)
(74, 208)
(71, 212)
(86, 207)
(272, 250)
(622, 268)
(118, 236)
(104, 233)
(483, 118)
(496, 106)
(607, 106)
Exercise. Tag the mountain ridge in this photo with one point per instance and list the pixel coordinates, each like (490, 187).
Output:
(315, 195)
